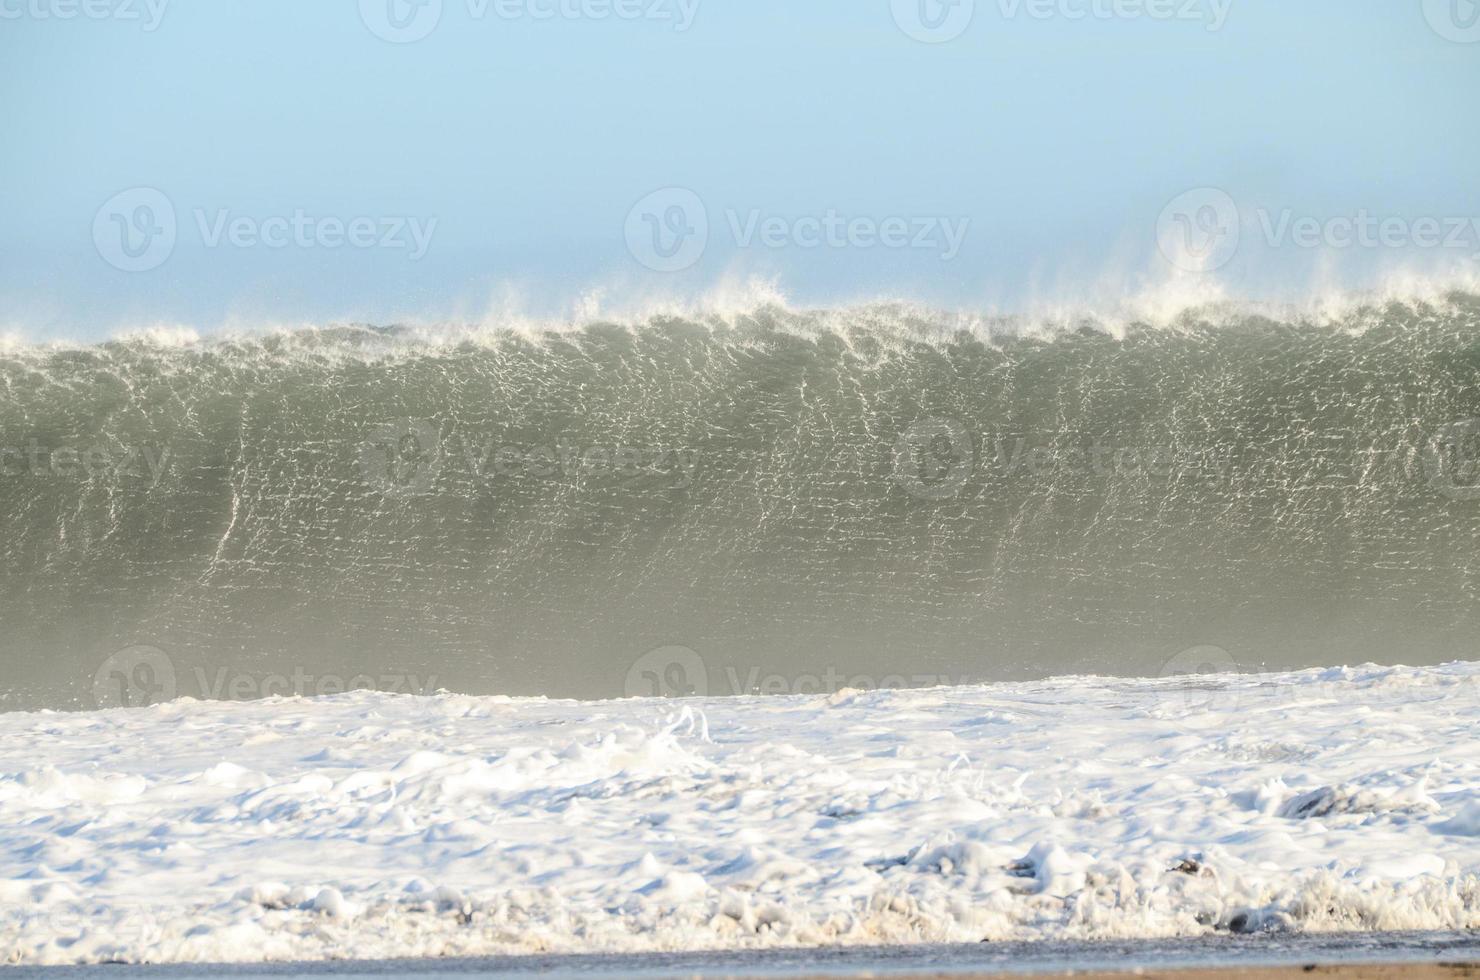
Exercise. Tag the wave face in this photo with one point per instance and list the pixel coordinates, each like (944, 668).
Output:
(786, 497)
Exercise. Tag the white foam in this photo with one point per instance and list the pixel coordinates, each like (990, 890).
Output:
(372, 825)
(1114, 301)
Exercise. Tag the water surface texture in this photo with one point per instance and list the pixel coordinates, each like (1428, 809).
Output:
(782, 500)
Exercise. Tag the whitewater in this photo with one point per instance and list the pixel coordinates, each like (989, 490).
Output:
(367, 626)
(369, 825)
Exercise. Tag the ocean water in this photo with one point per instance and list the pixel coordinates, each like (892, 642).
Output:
(1335, 802)
(752, 631)
(773, 501)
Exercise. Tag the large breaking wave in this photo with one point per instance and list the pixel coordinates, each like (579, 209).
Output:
(859, 493)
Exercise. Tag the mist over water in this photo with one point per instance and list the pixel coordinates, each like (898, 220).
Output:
(777, 500)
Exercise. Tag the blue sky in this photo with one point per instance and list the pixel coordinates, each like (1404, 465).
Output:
(1050, 135)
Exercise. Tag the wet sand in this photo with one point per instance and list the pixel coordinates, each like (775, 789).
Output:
(1345, 971)
(1333, 956)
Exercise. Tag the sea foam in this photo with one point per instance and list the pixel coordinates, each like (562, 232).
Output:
(369, 825)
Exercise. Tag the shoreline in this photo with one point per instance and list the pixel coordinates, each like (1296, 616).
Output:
(1270, 956)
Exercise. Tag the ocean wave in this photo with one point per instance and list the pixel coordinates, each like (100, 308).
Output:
(794, 491)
